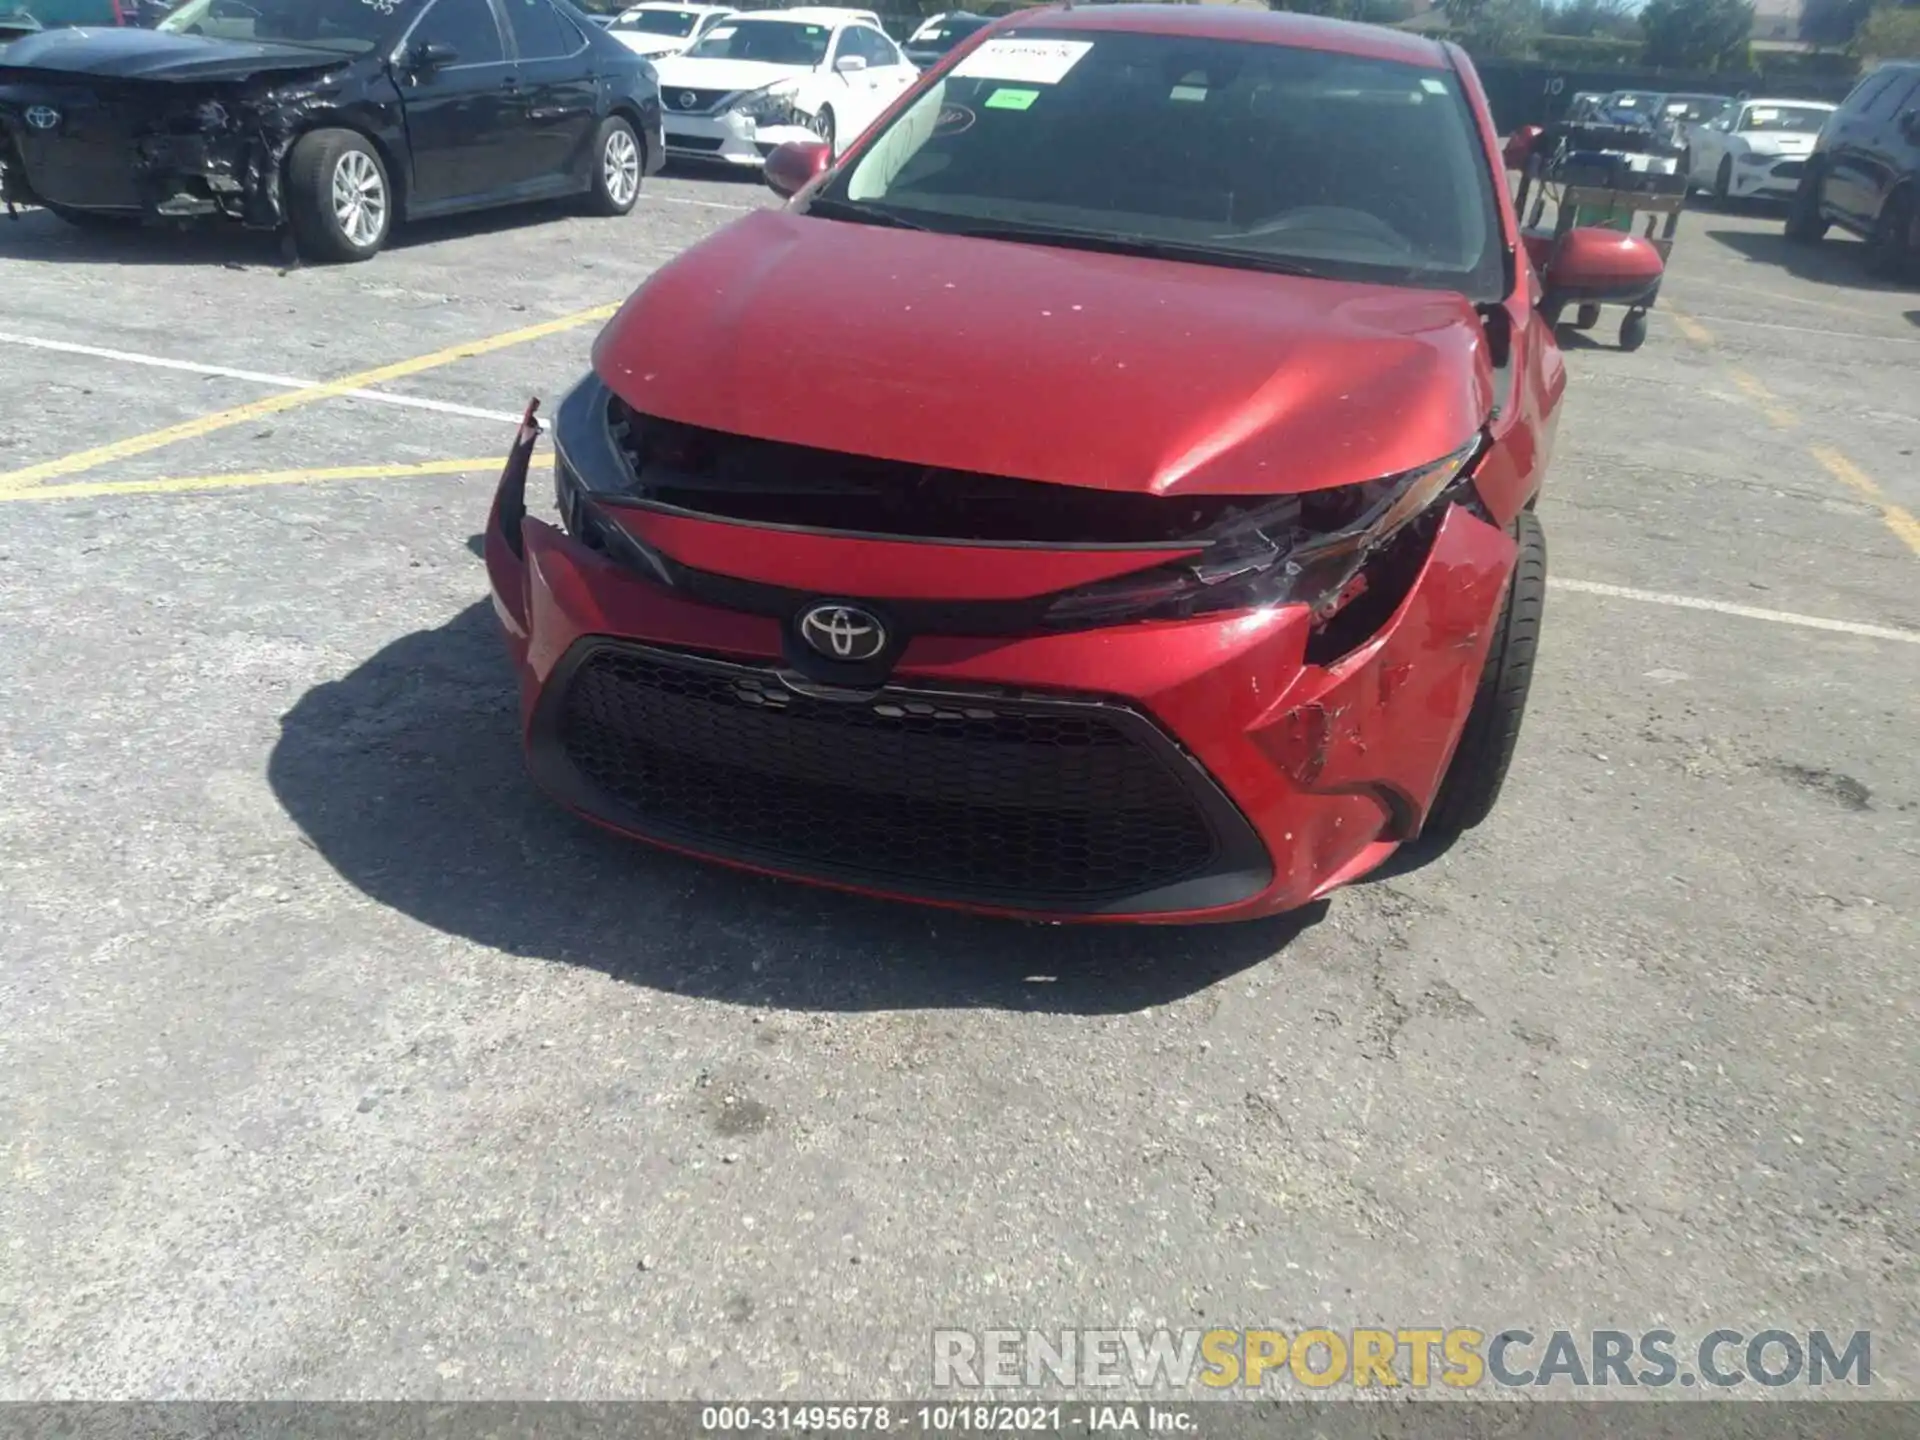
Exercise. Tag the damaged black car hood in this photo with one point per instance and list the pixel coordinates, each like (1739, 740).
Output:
(130, 54)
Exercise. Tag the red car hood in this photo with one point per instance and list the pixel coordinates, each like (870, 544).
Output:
(1048, 364)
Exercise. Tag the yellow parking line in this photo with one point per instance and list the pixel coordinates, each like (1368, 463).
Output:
(273, 405)
(88, 488)
(1691, 328)
(1777, 414)
(1900, 521)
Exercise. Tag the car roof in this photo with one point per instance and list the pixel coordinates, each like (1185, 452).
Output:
(675, 5)
(1242, 23)
(817, 14)
(1808, 104)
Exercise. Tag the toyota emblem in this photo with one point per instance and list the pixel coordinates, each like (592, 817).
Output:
(843, 632)
(43, 117)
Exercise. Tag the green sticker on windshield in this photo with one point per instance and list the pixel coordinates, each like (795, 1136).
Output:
(1011, 99)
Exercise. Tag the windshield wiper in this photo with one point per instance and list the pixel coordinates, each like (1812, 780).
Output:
(861, 214)
(1136, 245)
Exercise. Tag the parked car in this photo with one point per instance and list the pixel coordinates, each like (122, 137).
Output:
(763, 78)
(1105, 494)
(937, 36)
(1680, 114)
(1755, 150)
(661, 28)
(333, 118)
(1631, 107)
(1864, 172)
(1586, 106)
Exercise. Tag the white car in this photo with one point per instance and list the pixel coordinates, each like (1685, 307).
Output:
(662, 28)
(1755, 149)
(762, 78)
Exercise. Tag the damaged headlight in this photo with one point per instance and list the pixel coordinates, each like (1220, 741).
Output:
(771, 106)
(1302, 550)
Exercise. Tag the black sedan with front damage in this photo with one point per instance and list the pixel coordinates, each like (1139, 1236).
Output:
(330, 119)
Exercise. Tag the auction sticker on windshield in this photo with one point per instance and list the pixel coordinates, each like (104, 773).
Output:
(1030, 62)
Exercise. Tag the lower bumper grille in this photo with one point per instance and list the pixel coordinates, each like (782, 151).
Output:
(1789, 169)
(1025, 802)
(677, 141)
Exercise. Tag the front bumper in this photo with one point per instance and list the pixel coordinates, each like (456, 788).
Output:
(1305, 776)
(731, 138)
(1775, 181)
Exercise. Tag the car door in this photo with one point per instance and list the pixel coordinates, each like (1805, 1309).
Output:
(1849, 187)
(559, 93)
(892, 70)
(1888, 147)
(1707, 145)
(457, 94)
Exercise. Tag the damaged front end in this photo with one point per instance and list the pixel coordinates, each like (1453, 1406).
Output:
(161, 150)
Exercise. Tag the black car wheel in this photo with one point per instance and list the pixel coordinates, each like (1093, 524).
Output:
(339, 197)
(617, 167)
(1895, 246)
(1480, 761)
(823, 127)
(1723, 180)
(1805, 224)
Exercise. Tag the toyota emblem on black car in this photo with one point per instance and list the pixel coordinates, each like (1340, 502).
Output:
(843, 632)
(43, 117)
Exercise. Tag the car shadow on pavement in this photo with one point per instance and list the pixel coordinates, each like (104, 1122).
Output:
(39, 235)
(406, 777)
(1839, 261)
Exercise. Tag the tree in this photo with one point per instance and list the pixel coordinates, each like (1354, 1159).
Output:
(1833, 22)
(1494, 27)
(1890, 33)
(1587, 19)
(1697, 34)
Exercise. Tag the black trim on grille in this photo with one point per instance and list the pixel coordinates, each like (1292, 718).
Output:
(1021, 801)
(693, 142)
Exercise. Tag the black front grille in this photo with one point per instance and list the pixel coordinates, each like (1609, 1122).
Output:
(691, 101)
(770, 482)
(693, 142)
(1789, 169)
(1023, 801)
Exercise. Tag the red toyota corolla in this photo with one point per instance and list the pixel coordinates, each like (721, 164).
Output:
(1105, 493)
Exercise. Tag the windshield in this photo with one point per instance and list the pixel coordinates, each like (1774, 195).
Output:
(1260, 156)
(941, 36)
(1633, 103)
(1694, 107)
(1789, 119)
(658, 22)
(350, 27)
(778, 42)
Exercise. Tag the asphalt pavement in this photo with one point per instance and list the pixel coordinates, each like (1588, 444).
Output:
(336, 1062)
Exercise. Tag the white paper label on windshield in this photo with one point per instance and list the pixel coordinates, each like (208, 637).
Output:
(1030, 62)
(1761, 116)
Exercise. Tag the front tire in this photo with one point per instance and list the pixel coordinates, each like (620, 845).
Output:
(1479, 767)
(339, 196)
(823, 126)
(1805, 224)
(1894, 246)
(619, 162)
(1723, 180)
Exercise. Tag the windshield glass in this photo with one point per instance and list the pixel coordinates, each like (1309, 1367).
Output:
(941, 36)
(778, 42)
(1693, 107)
(351, 27)
(1261, 156)
(1792, 119)
(658, 22)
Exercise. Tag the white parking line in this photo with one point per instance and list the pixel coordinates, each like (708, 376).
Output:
(1854, 335)
(283, 382)
(1745, 612)
(687, 200)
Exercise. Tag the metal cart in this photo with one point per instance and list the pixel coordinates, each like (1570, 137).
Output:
(1607, 177)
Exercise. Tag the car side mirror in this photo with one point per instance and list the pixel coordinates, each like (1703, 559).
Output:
(795, 165)
(1595, 264)
(850, 64)
(432, 55)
